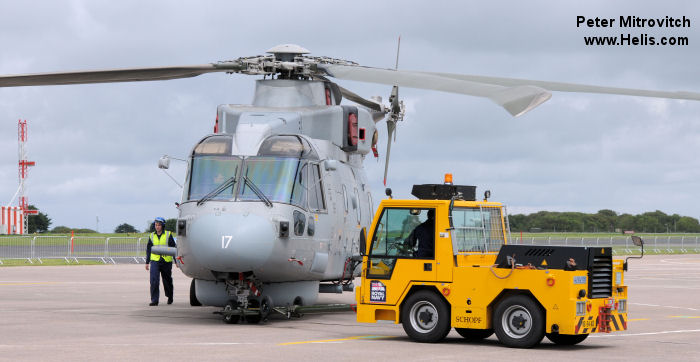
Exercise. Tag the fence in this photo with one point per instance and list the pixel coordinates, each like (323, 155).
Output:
(113, 249)
(660, 244)
(106, 249)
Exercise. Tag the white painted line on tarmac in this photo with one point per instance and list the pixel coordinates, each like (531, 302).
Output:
(337, 340)
(645, 333)
(133, 344)
(687, 261)
(663, 306)
(685, 287)
(25, 283)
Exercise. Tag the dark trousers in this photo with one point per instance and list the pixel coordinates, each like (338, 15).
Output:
(166, 271)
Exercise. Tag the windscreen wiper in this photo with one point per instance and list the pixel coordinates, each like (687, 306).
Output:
(257, 191)
(228, 183)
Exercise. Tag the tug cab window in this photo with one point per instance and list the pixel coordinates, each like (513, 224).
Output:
(477, 229)
(401, 233)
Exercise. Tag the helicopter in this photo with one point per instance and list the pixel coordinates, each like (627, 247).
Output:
(276, 202)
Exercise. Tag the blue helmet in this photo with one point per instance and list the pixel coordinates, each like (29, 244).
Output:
(160, 220)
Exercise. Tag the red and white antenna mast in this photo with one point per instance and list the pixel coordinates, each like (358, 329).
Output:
(14, 219)
(24, 165)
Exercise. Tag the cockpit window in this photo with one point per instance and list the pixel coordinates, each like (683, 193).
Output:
(210, 172)
(214, 145)
(281, 171)
(287, 146)
(280, 179)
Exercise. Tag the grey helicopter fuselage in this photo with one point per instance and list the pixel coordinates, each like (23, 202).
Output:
(303, 152)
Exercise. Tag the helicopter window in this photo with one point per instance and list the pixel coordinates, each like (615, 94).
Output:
(209, 172)
(214, 145)
(477, 229)
(312, 226)
(316, 200)
(287, 146)
(299, 221)
(280, 179)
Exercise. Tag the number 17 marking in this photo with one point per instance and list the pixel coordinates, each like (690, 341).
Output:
(225, 241)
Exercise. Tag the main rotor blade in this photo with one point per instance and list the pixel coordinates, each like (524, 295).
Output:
(114, 75)
(570, 87)
(516, 100)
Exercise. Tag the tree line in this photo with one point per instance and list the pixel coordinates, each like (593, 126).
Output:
(120, 229)
(41, 222)
(546, 221)
(603, 221)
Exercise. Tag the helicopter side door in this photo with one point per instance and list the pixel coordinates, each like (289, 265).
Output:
(319, 223)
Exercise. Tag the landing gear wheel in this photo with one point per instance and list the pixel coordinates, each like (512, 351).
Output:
(519, 322)
(253, 319)
(472, 334)
(265, 307)
(193, 296)
(566, 339)
(231, 318)
(425, 317)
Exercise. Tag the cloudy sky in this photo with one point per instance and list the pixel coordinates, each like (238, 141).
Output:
(97, 146)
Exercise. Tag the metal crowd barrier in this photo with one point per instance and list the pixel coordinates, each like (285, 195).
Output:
(660, 244)
(133, 249)
(106, 249)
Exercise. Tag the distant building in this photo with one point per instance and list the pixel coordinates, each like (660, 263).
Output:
(11, 220)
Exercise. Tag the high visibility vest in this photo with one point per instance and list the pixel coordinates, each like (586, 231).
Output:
(162, 241)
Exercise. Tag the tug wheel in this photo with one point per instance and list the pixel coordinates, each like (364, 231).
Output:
(425, 317)
(519, 322)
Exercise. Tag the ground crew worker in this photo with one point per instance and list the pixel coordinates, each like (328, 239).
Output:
(424, 237)
(160, 264)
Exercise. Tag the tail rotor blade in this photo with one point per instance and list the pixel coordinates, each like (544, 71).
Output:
(390, 127)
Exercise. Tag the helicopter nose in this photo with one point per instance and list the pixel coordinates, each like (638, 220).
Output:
(231, 243)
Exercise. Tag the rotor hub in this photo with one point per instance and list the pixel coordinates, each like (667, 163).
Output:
(287, 61)
(287, 52)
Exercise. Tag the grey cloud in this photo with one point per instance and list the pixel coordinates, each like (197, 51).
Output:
(96, 145)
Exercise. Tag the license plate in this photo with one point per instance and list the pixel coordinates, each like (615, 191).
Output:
(588, 324)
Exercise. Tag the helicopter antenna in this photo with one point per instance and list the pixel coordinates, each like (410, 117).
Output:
(398, 47)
